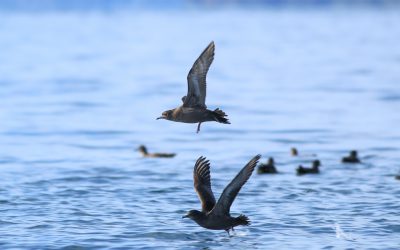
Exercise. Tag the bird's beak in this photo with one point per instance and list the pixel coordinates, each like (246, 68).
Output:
(161, 117)
(185, 216)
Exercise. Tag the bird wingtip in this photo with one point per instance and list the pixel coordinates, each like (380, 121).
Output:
(257, 157)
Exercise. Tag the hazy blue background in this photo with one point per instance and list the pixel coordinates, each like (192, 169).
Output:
(83, 81)
(106, 5)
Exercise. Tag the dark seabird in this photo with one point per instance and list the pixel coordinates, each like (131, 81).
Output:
(194, 109)
(397, 177)
(216, 215)
(268, 168)
(143, 150)
(352, 158)
(313, 170)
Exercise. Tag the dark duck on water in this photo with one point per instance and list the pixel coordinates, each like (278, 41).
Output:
(352, 158)
(143, 150)
(194, 109)
(313, 170)
(268, 168)
(216, 215)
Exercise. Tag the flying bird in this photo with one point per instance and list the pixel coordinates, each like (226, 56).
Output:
(194, 109)
(216, 215)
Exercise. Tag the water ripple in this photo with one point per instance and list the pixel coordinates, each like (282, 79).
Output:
(81, 91)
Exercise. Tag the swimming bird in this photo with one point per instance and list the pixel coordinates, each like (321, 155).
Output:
(143, 150)
(295, 152)
(268, 168)
(397, 177)
(352, 158)
(313, 170)
(216, 215)
(194, 109)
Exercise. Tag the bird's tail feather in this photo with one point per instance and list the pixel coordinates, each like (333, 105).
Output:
(220, 115)
(242, 220)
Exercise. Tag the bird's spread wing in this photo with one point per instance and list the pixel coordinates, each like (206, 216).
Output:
(202, 184)
(229, 194)
(196, 95)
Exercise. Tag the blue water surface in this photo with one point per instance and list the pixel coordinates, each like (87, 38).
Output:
(80, 91)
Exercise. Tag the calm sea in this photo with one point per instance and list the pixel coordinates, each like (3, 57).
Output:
(80, 91)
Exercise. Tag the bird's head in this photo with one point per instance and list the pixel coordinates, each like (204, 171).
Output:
(194, 215)
(167, 115)
(353, 153)
(271, 161)
(316, 164)
(142, 149)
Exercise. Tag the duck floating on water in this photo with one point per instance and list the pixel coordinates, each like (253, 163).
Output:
(352, 158)
(143, 150)
(268, 168)
(294, 152)
(313, 170)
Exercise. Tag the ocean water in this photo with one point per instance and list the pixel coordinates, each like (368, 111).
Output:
(80, 91)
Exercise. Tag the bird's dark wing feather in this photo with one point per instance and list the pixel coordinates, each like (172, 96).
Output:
(229, 194)
(196, 95)
(202, 184)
